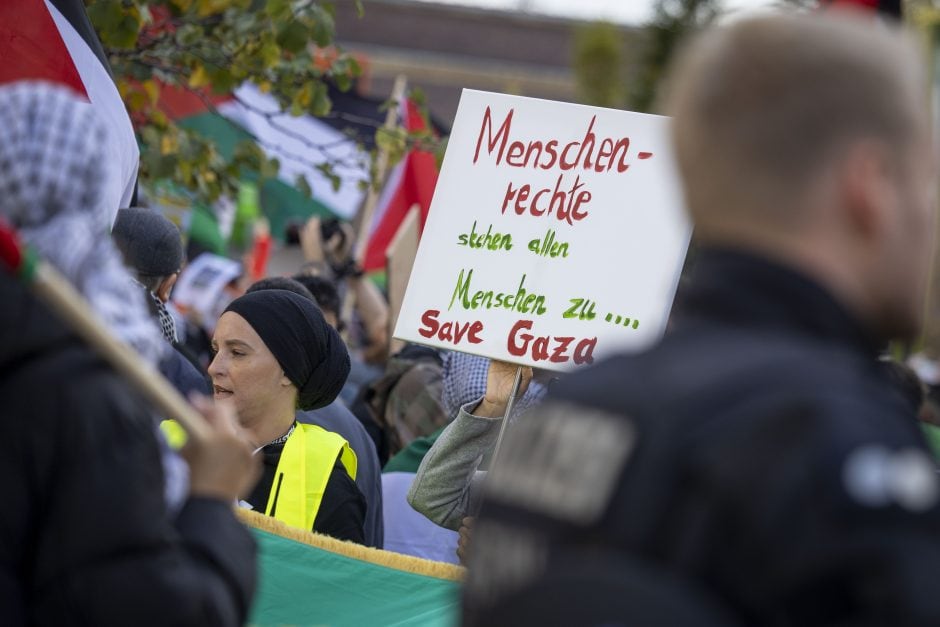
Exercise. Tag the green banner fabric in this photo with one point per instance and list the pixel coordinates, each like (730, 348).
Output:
(305, 585)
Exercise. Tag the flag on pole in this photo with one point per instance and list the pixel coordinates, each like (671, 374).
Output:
(411, 182)
(301, 144)
(54, 41)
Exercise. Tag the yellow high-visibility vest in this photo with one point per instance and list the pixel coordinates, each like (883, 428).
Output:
(302, 472)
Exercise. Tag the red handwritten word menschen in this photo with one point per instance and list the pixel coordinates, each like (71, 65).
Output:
(547, 154)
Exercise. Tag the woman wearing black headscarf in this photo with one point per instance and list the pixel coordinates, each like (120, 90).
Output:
(275, 354)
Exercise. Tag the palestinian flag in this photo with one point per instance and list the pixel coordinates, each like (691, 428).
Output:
(410, 182)
(302, 145)
(53, 40)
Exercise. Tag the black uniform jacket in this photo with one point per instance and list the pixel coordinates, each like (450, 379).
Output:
(759, 452)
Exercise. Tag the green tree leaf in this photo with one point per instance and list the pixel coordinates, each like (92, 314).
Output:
(303, 186)
(107, 16)
(189, 34)
(294, 36)
(269, 168)
(320, 103)
(326, 169)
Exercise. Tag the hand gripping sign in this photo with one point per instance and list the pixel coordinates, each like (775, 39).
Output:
(556, 234)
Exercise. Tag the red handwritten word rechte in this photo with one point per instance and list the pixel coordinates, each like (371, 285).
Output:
(565, 204)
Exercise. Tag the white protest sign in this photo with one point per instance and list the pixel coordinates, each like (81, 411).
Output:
(556, 234)
(201, 285)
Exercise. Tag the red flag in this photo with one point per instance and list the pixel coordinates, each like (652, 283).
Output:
(32, 48)
(53, 40)
(411, 182)
(260, 255)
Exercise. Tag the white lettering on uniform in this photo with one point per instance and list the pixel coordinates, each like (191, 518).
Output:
(875, 476)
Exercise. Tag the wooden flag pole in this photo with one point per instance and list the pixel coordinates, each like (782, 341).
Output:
(399, 260)
(381, 167)
(372, 196)
(70, 306)
(512, 401)
(62, 298)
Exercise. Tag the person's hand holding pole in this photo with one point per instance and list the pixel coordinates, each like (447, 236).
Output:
(339, 246)
(499, 382)
(504, 384)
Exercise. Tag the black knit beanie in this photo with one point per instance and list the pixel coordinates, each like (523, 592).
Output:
(149, 242)
(309, 350)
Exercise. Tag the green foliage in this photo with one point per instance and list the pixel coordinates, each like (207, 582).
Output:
(439, 151)
(397, 142)
(673, 20)
(393, 141)
(599, 64)
(326, 169)
(210, 47)
(606, 76)
(119, 24)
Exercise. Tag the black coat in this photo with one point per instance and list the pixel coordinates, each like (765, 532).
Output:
(337, 418)
(342, 509)
(759, 453)
(85, 536)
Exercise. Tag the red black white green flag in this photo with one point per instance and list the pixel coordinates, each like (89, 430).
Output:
(53, 40)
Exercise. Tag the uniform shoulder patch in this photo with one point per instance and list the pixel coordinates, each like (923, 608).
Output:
(562, 460)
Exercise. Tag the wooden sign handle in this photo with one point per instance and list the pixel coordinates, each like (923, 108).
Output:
(71, 307)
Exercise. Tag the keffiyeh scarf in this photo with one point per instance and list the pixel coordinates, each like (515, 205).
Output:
(167, 323)
(52, 167)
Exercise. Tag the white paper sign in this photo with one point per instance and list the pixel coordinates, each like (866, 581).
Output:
(201, 287)
(555, 237)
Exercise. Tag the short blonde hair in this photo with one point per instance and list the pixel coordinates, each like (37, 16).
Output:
(761, 106)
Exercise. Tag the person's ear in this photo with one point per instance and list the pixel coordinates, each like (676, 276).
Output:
(867, 179)
(163, 290)
(285, 381)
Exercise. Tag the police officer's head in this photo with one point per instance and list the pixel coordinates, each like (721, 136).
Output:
(806, 138)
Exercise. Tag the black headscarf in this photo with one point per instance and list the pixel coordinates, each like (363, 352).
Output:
(309, 350)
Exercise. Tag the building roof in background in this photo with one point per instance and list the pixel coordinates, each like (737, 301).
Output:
(443, 48)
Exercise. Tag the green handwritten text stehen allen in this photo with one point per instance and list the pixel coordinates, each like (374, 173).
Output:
(546, 246)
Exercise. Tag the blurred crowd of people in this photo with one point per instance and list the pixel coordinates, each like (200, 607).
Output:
(766, 463)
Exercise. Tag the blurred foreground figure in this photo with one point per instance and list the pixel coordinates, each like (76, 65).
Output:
(97, 527)
(759, 466)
